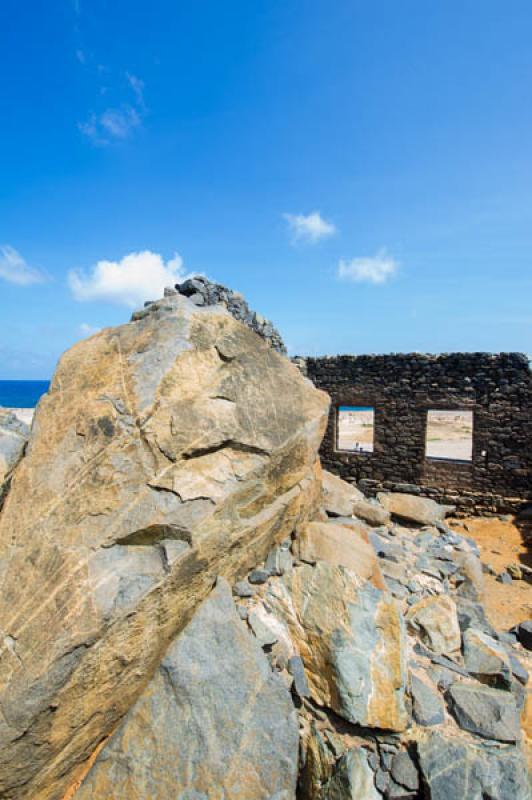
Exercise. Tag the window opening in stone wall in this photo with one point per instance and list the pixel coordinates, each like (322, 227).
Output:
(449, 434)
(355, 427)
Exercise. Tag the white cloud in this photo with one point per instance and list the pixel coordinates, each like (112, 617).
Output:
(87, 330)
(309, 228)
(377, 269)
(14, 269)
(132, 280)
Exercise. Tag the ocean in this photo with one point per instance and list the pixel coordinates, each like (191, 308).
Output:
(22, 394)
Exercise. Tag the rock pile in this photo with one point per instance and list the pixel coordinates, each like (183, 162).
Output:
(193, 609)
(203, 292)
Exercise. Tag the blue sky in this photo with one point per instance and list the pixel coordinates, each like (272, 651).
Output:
(361, 171)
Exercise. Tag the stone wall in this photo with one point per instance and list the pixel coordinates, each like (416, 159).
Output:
(402, 388)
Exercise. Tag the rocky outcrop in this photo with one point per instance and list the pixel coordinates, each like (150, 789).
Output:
(168, 451)
(214, 722)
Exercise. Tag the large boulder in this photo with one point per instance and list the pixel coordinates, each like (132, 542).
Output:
(168, 451)
(351, 638)
(422, 510)
(215, 721)
(13, 437)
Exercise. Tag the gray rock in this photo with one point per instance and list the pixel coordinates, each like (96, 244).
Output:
(382, 779)
(404, 771)
(490, 713)
(518, 671)
(258, 576)
(397, 792)
(504, 577)
(427, 705)
(486, 659)
(297, 670)
(456, 770)
(214, 715)
(524, 634)
(472, 615)
(352, 779)
(279, 561)
(243, 589)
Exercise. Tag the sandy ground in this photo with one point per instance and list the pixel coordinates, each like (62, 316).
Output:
(23, 414)
(502, 543)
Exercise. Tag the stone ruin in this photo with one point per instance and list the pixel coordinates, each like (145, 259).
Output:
(192, 607)
(496, 389)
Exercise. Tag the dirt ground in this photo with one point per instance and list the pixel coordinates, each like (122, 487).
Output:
(501, 543)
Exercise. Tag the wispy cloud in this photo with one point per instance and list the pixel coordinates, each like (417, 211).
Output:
(377, 269)
(117, 123)
(132, 280)
(138, 88)
(309, 228)
(15, 269)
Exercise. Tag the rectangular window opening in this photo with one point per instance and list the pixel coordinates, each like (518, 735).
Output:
(355, 428)
(449, 434)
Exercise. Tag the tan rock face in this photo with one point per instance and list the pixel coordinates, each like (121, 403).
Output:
(341, 545)
(350, 636)
(436, 622)
(339, 496)
(168, 451)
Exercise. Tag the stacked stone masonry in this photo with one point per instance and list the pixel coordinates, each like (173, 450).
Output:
(401, 389)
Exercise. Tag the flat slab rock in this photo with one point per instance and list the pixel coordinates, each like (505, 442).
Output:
(422, 510)
(343, 545)
(491, 713)
(214, 723)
